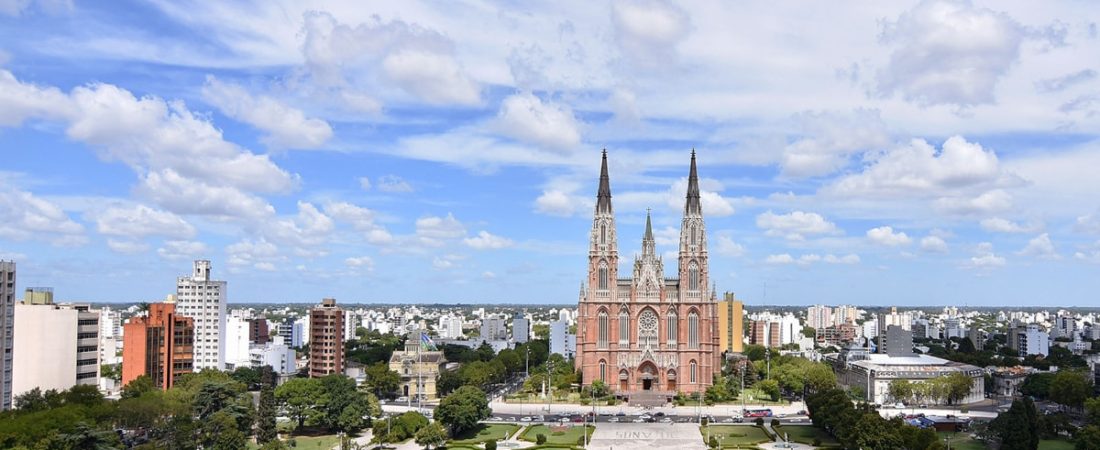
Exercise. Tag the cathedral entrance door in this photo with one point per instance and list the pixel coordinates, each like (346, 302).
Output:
(647, 385)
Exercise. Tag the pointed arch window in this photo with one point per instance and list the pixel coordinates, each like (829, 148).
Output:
(603, 370)
(601, 332)
(603, 276)
(693, 241)
(648, 327)
(624, 328)
(693, 371)
(603, 233)
(673, 328)
(693, 277)
(693, 330)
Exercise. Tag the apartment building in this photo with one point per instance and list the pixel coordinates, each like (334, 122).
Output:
(326, 340)
(7, 321)
(159, 344)
(54, 346)
(203, 300)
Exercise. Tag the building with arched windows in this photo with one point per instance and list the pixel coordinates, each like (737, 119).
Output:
(648, 335)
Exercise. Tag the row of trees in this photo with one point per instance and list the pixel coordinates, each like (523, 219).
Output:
(1070, 388)
(861, 426)
(949, 389)
(459, 412)
(332, 402)
(788, 374)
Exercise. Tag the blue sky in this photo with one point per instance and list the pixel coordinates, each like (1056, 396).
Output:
(910, 153)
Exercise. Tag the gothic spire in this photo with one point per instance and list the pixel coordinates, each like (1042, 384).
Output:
(603, 197)
(649, 246)
(693, 206)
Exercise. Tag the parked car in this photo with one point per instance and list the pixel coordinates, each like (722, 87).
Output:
(525, 419)
(638, 420)
(401, 399)
(727, 420)
(666, 420)
(620, 414)
(899, 405)
(613, 420)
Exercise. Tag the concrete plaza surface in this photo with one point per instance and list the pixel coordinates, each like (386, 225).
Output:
(629, 436)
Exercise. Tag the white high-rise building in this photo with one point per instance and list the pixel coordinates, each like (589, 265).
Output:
(562, 342)
(236, 342)
(203, 300)
(845, 314)
(819, 317)
(450, 326)
(521, 328)
(54, 347)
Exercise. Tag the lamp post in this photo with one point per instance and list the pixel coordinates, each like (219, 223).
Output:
(549, 385)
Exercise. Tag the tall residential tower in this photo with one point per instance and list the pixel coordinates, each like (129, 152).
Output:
(203, 300)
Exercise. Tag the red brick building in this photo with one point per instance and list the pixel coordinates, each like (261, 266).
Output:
(158, 345)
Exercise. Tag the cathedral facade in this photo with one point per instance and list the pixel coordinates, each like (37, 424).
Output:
(648, 333)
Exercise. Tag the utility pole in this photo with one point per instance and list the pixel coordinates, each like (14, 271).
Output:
(549, 385)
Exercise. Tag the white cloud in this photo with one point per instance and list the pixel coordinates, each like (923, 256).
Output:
(886, 236)
(140, 221)
(393, 183)
(949, 52)
(918, 168)
(1089, 253)
(419, 61)
(1061, 83)
(488, 275)
(364, 183)
(178, 194)
(784, 258)
(304, 232)
(727, 247)
(795, 225)
(933, 244)
(433, 230)
(286, 127)
(984, 258)
(127, 247)
(1041, 247)
(850, 258)
(993, 201)
(445, 262)
(487, 241)
(1001, 225)
(714, 205)
(1089, 223)
(22, 101)
(24, 216)
(648, 31)
(364, 262)
(549, 125)
(828, 140)
(182, 250)
(810, 258)
(255, 253)
(556, 203)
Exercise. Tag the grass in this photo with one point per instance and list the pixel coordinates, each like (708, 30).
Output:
(1056, 444)
(568, 435)
(805, 434)
(962, 441)
(735, 435)
(486, 432)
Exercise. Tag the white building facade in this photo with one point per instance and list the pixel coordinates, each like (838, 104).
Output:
(203, 300)
(54, 347)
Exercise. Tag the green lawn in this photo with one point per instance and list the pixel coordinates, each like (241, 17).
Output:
(961, 441)
(805, 434)
(735, 435)
(563, 435)
(486, 432)
(325, 442)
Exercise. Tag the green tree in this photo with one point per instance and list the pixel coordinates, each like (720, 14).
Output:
(227, 397)
(432, 435)
(220, 432)
(138, 386)
(957, 386)
(1071, 388)
(380, 380)
(399, 428)
(267, 410)
(1037, 385)
(247, 376)
(86, 437)
(1092, 410)
(819, 377)
(299, 396)
(599, 389)
(755, 352)
(769, 388)
(463, 409)
(342, 405)
(1087, 438)
(1016, 429)
(900, 390)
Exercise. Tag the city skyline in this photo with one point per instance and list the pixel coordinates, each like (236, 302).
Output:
(399, 154)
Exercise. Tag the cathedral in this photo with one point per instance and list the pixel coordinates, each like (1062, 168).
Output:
(648, 335)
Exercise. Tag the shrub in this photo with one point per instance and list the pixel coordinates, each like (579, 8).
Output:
(759, 421)
(540, 439)
(817, 442)
(585, 401)
(581, 440)
(490, 445)
(704, 422)
(713, 442)
(964, 410)
(775, 423)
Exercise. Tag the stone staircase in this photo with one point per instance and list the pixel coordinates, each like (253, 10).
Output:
(649, 398)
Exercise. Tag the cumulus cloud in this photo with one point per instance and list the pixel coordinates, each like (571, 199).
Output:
(810, 258)
(648, 31)
(303, 232)
(557, 203)
(1089, 223)
(362, 262)
(549, 125)
(487, 241)
(182, 250)
(25, 216)
(445, 262)
(949, 52)
(286, 127)
(993, 201)
(393, 184)
(24, 100)
(1089, 253)
(795, 225)
(828, 140)
(1040, 247)
(433, 230)
(1001, 225)
(1061, 83)
(984, 258)
(714, 205)
(886, 236)
(364, 183)
(127, 247)
(361, 219)
(417, 60)
(254, 253)
(140, 221)
(183, 195)
(933, 244)
(727, 247)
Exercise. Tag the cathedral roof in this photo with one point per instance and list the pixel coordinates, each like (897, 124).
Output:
(603, 197)
(693, 205)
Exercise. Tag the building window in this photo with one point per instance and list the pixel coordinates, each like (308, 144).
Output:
(692, 372)
(673, 329)
(603, 370)
(648, 326)
(603, 282)
(693, 277)
(624, 328)
(601, 335)
(603, 233)
(693, 330)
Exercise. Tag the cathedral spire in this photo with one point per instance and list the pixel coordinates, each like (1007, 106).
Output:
(693, 205)
(649, 245)
(603, 197)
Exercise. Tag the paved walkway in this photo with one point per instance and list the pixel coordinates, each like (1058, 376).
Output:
(628, 436)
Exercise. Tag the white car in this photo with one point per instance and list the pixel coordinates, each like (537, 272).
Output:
(899, 405)
(613, 420)
(639, 420)
(525, 419)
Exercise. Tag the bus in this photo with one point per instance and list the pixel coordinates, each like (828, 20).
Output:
(758, 413)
